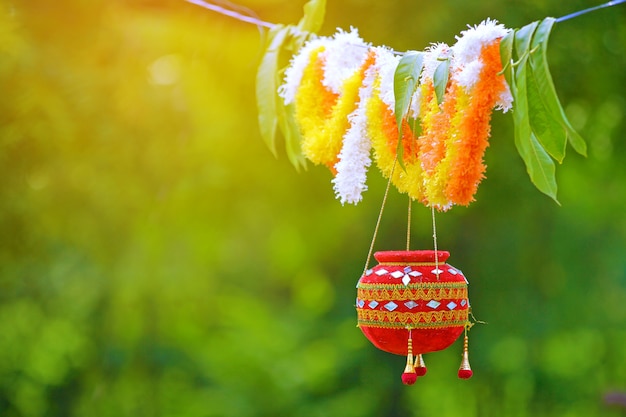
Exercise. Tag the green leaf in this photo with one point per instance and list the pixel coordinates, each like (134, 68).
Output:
(539, 165)
(267, 87)
(506, 56)
(522, 40)
(405, 81)
(539, 64)
(545, 127)
(291, 133)
(440, 79)
(313, 18)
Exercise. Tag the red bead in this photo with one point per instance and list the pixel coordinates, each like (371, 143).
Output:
(465, 373)
(421, 370)
(409, 378)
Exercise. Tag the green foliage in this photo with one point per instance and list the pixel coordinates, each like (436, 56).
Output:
(313, 19)
(440, 79)
(541, 126)
(267, 86)
(549, 100)
(272, 111)
(282, 43)
(405, 82)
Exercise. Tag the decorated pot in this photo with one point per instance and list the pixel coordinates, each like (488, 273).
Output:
(412, 294)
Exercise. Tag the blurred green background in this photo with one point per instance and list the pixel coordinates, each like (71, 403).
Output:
(157, 260)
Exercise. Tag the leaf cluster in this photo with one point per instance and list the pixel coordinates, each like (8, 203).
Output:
(282, 43)
(542, 129)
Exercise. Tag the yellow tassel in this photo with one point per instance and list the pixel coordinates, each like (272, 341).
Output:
(465, 371)
(420, 365)
(409, 376)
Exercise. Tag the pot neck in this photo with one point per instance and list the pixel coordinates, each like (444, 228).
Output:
(413, 256)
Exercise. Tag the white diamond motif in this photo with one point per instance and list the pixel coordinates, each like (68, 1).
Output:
(382, 272)
(406, 280)
(369, 272)
(373, 304)
(451, 305)
(391, 306)
(453, 271)
(463, 302)
(360, 303)
(407, 269)
(397, 274)
(433, 304)
(410, 304)
(415, 273)
(436, 271)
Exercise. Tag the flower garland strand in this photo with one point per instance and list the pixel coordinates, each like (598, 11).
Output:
(345, 105)
(323, 82)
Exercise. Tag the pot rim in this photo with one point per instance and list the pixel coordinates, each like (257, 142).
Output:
(400, 256)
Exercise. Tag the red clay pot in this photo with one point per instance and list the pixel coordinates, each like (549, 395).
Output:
(412, 290)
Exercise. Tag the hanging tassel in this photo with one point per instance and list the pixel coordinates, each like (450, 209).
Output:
(409, 376)
(420, 366)
(465, 371)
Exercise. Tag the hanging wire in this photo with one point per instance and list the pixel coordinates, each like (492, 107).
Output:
(380, 216)
(591, 9)
(248, 18)
(437, 271)
(408, 227)
(246, 15)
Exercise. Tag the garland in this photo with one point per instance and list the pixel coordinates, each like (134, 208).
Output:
(343, 103)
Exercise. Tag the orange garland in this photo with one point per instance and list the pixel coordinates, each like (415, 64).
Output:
(468, 169)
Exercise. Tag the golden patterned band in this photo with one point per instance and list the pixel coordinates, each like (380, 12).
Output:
(403, 264)
(420, 319)
(422, 291)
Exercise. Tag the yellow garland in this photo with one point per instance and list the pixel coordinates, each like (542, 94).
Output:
(383, 131)
(313, 105)
(322, 127)
(378, 127)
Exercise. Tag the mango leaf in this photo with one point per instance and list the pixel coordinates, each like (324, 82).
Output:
(313, 18)
(545, 127)
(539, 64)
(440, 79)
(291, 133)
(506, 56)
(405, 81)
(267, 87)
(539, 165)
(522, 40)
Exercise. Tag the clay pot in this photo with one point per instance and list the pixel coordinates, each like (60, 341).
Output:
(411, 292)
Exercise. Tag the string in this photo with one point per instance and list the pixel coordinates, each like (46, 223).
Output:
(591, 9)
(261, 23)
(232, 13)
(435, 243)
(380, 216)
(408, 227)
